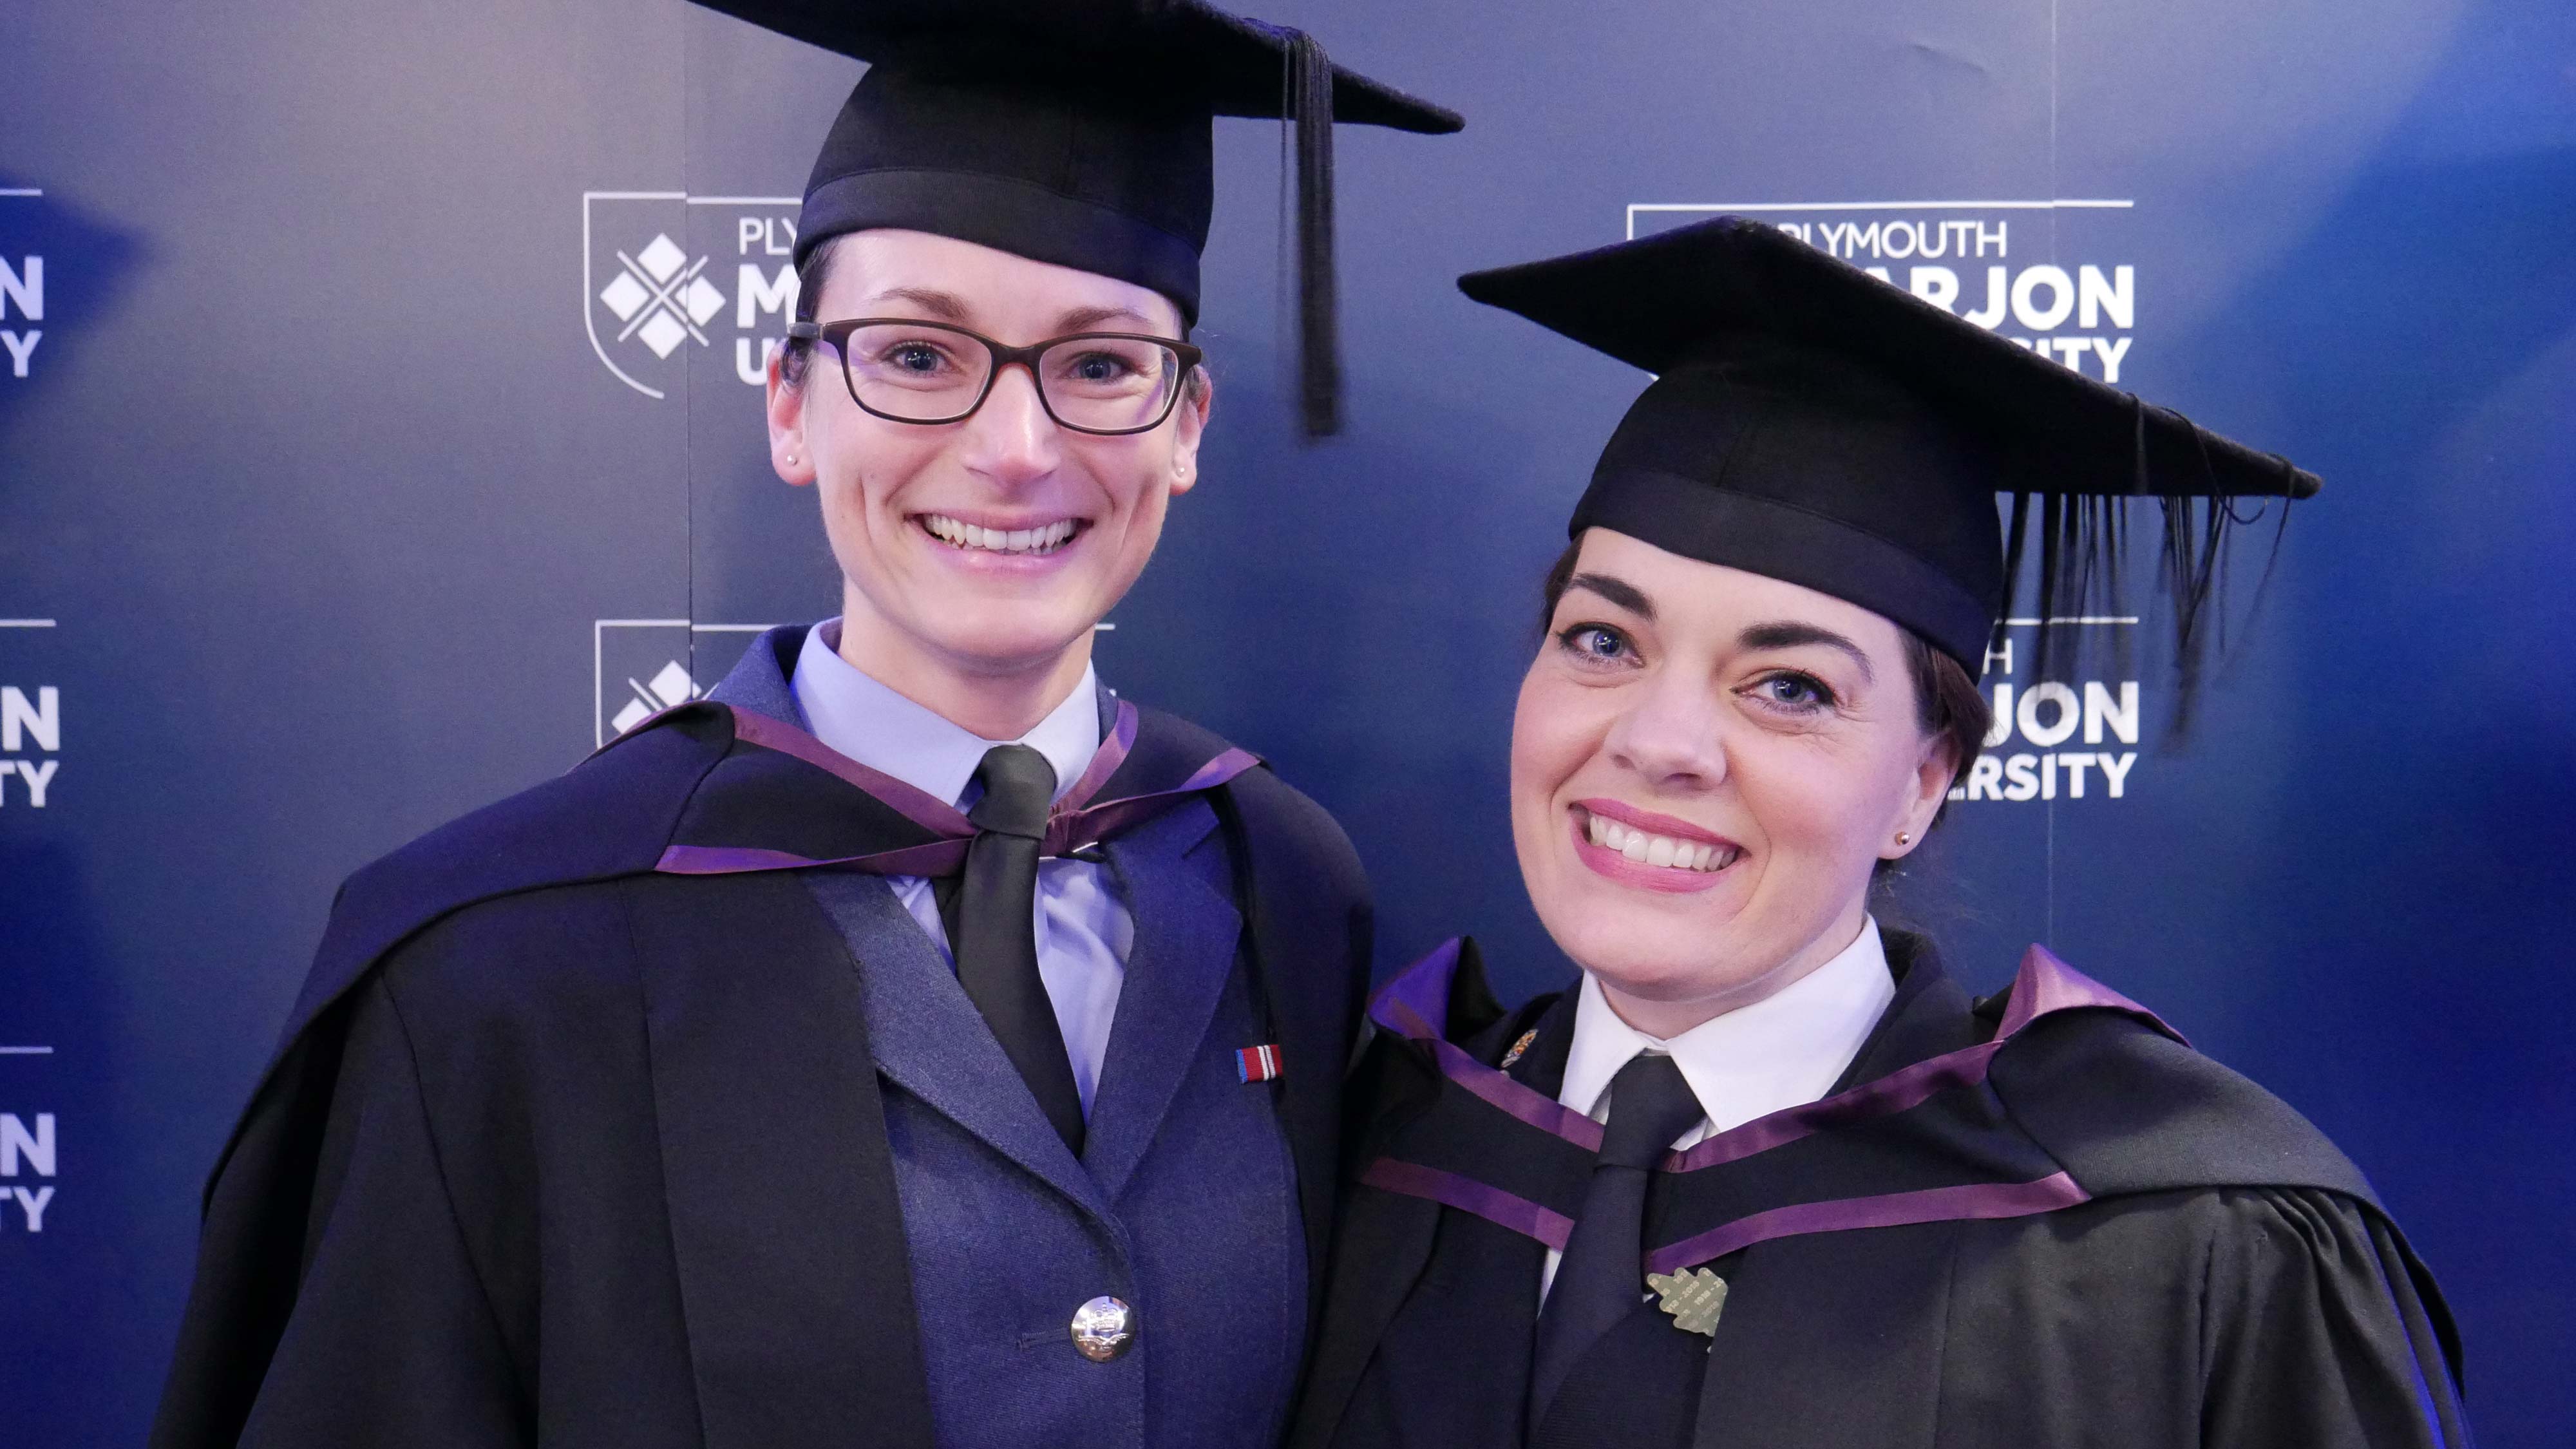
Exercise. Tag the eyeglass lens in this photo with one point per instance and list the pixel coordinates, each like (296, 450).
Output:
(927, 374)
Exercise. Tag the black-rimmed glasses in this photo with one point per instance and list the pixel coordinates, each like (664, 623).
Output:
(908, 371)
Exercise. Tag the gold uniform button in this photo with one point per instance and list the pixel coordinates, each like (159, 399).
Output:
(1103, 1329)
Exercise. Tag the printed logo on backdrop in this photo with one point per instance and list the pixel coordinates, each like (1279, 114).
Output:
(28, 1160)
(2054, 278)
(31, 721)
(672, 283)
(22, 290)
(2051, 276)
(30, 759)
(641, 667)
(2076, 740)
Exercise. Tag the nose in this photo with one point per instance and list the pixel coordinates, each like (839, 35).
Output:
(1671, 737)
(1010, 439)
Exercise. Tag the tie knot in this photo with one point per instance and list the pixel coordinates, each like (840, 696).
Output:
(1019, 784)
(1650, 1105)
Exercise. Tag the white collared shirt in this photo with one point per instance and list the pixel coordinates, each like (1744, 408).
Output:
(1785, 1050)
(1083, 929)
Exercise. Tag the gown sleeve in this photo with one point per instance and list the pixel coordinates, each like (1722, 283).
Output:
(392, 1341)
(2318, 1330)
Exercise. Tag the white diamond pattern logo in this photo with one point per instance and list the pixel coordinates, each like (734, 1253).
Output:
(671, 687)
(641, 667)
(662, 256)
(661, 333)
(677, 287)
(662, 296)
(632, 715)
(704, 301)
(624, 295)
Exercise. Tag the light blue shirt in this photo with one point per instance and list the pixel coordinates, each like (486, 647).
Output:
(1083, 929)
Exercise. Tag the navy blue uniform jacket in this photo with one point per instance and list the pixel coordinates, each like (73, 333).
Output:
(659, 1206)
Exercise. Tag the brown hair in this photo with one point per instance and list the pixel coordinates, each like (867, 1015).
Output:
(1947, 703)
(798, 353)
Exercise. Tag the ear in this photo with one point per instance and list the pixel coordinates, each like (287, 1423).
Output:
(1189, 424)
(1925, 790)
(791, 454)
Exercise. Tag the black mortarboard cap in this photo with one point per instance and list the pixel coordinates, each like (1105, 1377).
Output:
(1078, 132)
(1812, 423)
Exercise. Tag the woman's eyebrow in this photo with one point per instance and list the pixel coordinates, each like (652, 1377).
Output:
(1790, 633)
(945, 305)
(1618, 591)
(1083, 319)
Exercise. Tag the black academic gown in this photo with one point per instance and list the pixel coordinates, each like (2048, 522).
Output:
(2037, 1220)
(574, 1138)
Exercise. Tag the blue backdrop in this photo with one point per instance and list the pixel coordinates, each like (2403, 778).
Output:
(373, 441)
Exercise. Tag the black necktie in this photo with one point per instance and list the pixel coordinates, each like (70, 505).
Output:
(1602, 1277)
(995, 932)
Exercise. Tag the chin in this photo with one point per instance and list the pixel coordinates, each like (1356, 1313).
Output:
(1656, 959)
(1656, 970)
(1657, 955)
(1004, 638)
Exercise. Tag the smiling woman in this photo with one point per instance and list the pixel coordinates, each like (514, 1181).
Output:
(948, 594)
(1771, 750)
(778, 1075)
(1948, 706)
(1766, 1175)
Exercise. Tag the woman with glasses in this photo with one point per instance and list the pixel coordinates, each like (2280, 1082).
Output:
(1767, 1176)
(913, 1043)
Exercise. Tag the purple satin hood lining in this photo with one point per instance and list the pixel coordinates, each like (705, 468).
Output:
(1889, 1210)
(1895, 1209)
(1418, 997)
(1072, 823)
(2044, 985)
(1104, 762)
(1534, 1107)
(938, 858)
(1068, 832)
(1417, 1000)
(1468, 1195)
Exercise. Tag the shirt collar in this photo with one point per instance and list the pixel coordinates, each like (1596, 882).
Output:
(856, 715)
(1782, 1051)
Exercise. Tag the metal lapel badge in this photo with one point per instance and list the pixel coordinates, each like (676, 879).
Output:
(1693, 1296)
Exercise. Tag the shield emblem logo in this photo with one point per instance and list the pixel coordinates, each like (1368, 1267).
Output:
(664, 273)
(646, 296)
(640, 667)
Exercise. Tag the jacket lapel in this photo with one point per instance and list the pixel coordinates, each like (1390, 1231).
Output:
(1186, 933)
(930, 1040)
(779, 1179)
(1383, 1241)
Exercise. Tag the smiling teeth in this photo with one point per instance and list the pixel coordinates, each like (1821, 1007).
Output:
(995, 540)
(1662, 850)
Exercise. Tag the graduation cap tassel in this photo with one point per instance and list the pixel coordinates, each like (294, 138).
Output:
(2053, 514)
(1310, 78)
(2115, 553)
(2016, 534)
(2188, 547)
